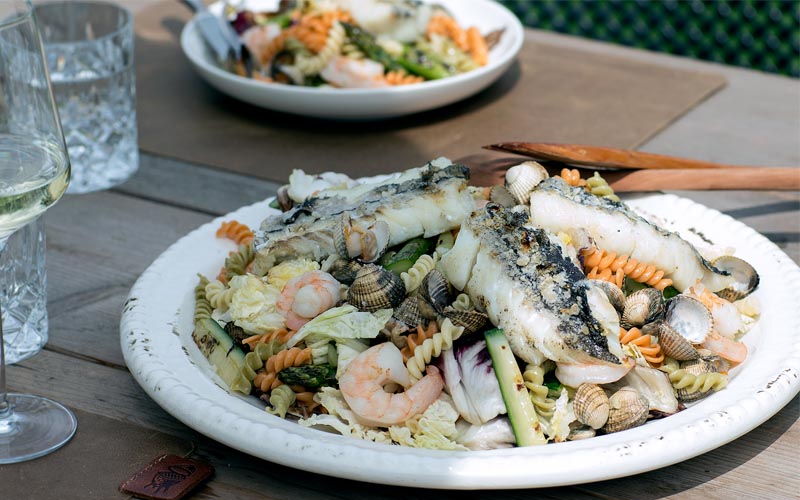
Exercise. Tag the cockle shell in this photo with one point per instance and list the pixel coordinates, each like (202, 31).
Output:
(628, 409)
(345, 270)
(745, 277)
(591, 405)
(521, 179)
(408, 312)
(673, 344)
(689, 317)
(501, 196)
(434, 294)
(472, 321)
(613, 292)
(642, 307)
(376, 288)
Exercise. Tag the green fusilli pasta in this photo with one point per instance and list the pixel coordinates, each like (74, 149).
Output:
(202, 307)
(281, 398)
(534, 381)
(236, 263)
(681, 379)
(599, 187)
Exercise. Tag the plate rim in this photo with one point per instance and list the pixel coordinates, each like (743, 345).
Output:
(621, 453)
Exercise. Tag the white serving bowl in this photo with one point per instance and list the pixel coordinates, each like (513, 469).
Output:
(361, 104)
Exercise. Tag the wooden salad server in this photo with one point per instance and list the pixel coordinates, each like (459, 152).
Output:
(639, 171)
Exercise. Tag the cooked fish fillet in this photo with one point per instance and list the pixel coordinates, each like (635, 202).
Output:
(422, 201)
(556, 206)
(522, 278)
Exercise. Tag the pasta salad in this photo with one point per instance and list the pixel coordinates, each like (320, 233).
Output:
(420, 311)
(356, 43)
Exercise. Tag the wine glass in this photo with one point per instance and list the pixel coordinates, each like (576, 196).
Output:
(34, 173)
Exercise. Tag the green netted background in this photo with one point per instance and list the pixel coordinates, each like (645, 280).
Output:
(763, 35)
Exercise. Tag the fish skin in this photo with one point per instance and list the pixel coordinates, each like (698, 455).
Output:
(557, 206)
(530, 288)
(418, 202)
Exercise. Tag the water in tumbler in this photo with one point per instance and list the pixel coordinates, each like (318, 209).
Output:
(97, 105)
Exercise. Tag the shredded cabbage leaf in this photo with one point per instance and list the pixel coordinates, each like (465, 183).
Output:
(435, 428)
(278, 275)
(343, 323)
(253, 305)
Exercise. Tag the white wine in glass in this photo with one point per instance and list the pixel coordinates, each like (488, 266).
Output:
(34, 173)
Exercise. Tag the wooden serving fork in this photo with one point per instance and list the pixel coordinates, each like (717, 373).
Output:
(639, 171)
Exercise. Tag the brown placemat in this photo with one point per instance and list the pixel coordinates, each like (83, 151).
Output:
(550, 94)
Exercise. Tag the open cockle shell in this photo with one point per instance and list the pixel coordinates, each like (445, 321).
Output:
(591, 405)
(745, 277)
(376, 288)
(689, 317)
(521, 179)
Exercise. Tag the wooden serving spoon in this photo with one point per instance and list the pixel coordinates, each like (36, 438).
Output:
(638, 171)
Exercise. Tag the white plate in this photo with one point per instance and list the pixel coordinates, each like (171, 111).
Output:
(369, 103)
(156, 341)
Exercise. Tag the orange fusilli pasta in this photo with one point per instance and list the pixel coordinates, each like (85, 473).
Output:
(282, 335)
(236, 231)
(447, 26)
(651, 351)
(400, 77)
(477, 47)
(572, 177)
(290, 357)
(312, 29)
(608, 266)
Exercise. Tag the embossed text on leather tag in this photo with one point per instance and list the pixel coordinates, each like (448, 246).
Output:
(169, 477)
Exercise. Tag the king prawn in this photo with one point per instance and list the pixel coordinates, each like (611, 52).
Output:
(417, 310)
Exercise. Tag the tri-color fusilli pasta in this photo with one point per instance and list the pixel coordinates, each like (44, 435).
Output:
(432, 347)
(219, 295)
(311, 65)
(609, 266)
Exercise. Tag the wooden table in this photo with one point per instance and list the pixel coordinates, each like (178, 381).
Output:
(98, 244)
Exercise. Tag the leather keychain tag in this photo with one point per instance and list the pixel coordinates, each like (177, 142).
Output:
(168, 477)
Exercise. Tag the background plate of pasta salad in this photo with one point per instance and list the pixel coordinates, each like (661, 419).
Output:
(156, 337)
(359, 59)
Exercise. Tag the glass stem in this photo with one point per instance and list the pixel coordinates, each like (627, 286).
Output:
(5, 409)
